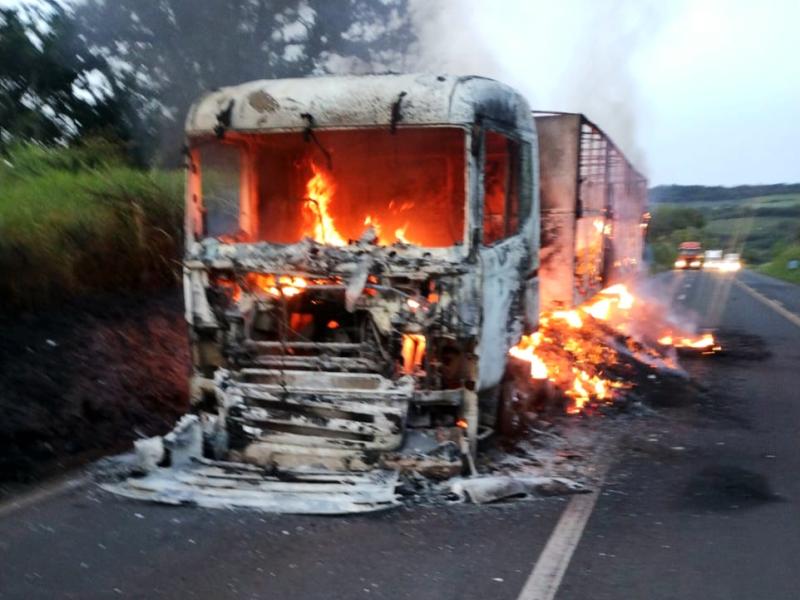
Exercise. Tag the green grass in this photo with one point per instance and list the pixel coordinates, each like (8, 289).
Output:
(743, 227)
(779, 266)
(776, 200)
(78, 220)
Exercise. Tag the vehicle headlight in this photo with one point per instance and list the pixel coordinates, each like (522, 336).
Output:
(680, 263)
(694, 263)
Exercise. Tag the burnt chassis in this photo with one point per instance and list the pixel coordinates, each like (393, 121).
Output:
(340, 405)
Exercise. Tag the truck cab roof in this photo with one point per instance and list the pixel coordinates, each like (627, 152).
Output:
(358, 101)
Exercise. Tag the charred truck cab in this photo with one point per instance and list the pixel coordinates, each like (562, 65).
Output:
(361, 254)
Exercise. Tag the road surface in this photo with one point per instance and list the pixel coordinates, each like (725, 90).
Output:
(699, 502)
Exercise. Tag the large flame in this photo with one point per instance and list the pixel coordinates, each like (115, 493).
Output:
(320, 191)
(570, 349)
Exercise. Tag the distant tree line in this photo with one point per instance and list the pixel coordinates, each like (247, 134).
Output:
(747, 210)
(701, 193)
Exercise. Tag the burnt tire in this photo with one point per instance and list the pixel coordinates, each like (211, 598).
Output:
(515, 406)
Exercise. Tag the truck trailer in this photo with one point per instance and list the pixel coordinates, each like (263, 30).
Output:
(361, 254)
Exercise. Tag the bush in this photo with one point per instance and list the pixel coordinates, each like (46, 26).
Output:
(77, 220)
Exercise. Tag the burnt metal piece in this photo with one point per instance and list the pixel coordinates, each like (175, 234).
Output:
(224, 119)
(397, 114)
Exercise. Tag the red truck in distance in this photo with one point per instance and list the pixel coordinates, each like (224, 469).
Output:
(690, 256)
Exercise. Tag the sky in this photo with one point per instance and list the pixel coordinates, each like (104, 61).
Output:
(695, 91)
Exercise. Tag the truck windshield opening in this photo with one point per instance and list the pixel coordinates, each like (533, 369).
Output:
(333, 186)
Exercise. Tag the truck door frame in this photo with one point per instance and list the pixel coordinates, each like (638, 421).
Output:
(505, 264)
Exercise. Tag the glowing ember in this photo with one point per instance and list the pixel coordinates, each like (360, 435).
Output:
(703, 342)
(282, 286)
(319, 191)
(412, 351)
(399, 233)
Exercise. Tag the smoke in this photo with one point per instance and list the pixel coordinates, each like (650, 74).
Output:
(448, 40)
(575, 56)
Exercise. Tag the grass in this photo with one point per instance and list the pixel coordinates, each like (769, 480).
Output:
(779, 266)
(78, 220)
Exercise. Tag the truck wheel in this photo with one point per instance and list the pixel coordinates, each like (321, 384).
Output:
(514, 407)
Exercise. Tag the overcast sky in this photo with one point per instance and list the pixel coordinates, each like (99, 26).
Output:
(697, 91)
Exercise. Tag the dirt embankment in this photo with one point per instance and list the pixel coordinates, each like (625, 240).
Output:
(88, 377)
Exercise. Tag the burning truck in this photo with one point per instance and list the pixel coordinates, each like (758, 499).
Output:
(362, 255)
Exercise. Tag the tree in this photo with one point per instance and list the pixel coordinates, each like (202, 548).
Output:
(51, 90)
(165, 53)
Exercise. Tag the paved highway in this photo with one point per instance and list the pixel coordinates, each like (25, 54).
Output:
(700, 502)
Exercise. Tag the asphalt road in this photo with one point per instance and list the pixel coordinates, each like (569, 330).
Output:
(705, 503)
(700, 502)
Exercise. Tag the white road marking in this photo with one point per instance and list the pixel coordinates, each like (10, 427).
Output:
(549, 570)
(773, 304)
(681, 296)
(48, 490)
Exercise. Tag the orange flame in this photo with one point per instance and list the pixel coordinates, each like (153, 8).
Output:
(565, 351)
(568, 348)
(281, 286)
(412, 351)
(319, 191)
(703, 342)
(526, 350)
(572, 317)
(400, 234)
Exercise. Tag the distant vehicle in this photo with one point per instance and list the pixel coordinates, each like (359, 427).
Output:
(731, 263)
(712, 260)
(690, 256)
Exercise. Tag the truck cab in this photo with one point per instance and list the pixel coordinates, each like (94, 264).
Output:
(361, 254)
(690, 256)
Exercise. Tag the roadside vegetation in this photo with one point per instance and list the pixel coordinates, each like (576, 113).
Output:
(77, 220)
(780, 266)
(764, 229)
